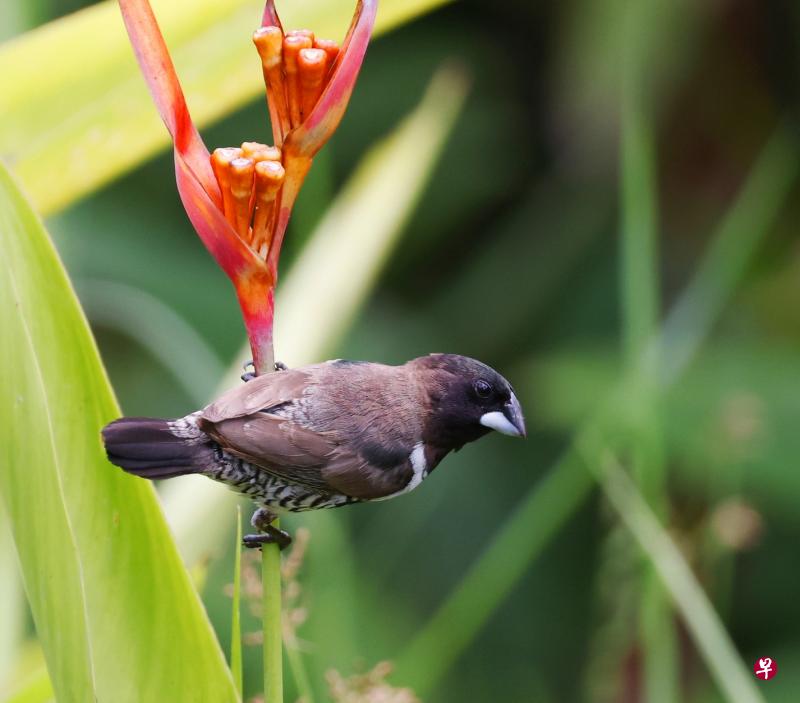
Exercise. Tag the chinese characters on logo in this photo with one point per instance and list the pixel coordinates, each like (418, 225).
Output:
(765, 668)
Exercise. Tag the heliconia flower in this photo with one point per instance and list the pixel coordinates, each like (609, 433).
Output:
(239, 199)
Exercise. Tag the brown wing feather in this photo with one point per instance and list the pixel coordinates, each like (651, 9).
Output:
(261, 393)
(277, 445)
(299, 455)
(352, 475)
(325, 461)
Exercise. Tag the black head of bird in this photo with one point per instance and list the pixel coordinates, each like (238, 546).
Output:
(467, 399)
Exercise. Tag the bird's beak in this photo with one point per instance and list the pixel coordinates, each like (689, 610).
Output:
(513, 411)
(510, 421)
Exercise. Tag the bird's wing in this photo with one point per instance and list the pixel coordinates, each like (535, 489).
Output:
(318, 460)
(261, 393)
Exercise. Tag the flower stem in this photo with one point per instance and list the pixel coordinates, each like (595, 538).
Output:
(271, 622)
(256, 293)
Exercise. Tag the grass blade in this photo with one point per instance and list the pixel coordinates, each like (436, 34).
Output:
(271, 621)
(640, 288)
(72, 93)
(730, 253)
(639, 280)
(708, 632)
(116, 614)
(296, 661)
(236, 615)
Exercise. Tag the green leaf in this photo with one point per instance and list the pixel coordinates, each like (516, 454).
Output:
(12, 603)
(116, 614)
(76, 113)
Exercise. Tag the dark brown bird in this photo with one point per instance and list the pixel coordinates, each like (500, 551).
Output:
(325, 435)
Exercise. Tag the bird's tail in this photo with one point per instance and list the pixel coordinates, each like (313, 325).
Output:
(154, 448)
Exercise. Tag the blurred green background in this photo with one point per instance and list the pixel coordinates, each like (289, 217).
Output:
(533, 250)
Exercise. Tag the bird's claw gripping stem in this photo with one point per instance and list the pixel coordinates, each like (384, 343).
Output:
(272, 536)
(267, 532)
(250, 375)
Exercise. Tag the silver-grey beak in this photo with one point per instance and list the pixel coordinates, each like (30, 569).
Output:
(513, 411)
(509, 421)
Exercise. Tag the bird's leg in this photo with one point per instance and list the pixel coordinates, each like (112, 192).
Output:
(250, 375)
(267, 532)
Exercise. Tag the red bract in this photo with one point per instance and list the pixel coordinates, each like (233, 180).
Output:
(239, 199)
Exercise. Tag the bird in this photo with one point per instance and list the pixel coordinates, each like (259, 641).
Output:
(324, 435)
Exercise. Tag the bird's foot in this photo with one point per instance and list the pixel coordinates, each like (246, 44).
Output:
(267, 532)
(250, 375)
(272, 535)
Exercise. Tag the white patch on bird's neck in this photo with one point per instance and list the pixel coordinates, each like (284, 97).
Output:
(497, 421)
(420, 467)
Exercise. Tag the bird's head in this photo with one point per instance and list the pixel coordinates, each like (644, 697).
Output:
(467, 399)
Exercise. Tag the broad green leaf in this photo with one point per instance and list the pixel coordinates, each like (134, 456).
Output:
(12, 602)
(76, 113)
(116, 614)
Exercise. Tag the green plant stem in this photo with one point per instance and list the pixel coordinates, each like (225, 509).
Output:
(271, 622)
(640, 292)
(639, 235)
(236, 620)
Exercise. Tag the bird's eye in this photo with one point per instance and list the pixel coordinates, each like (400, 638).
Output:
(482, 388)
